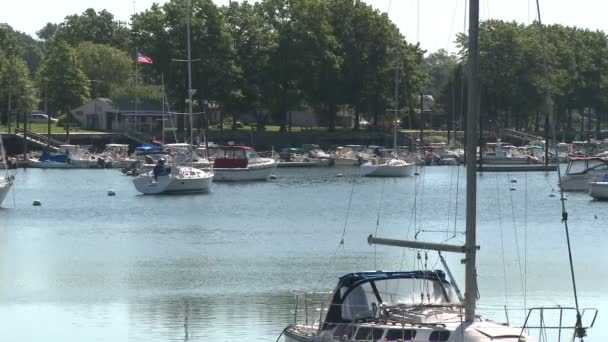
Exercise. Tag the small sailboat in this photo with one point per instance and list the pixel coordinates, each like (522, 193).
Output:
(6, 182)
(179, 178)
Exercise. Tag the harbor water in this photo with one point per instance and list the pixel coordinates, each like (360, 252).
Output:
(223, 266)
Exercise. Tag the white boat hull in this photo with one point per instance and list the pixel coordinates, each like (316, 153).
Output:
(251, 173)
(48, 165)
(598, 190)
(390, 169)
(181, 180)
(5, 187)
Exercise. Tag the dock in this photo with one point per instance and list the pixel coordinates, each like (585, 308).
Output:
(517, 168)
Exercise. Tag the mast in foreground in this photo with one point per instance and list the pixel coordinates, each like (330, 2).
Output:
(470, 293)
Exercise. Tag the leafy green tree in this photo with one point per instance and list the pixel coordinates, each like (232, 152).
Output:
(105, 67)
(90, 26)
(61, 78)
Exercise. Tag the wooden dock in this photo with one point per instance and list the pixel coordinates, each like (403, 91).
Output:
(517, 168)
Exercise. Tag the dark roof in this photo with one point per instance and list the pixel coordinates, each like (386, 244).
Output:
(127, 104)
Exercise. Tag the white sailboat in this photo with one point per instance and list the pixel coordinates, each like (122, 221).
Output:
(181, 178)
(419, 305)
(389, 165)
(6, 182)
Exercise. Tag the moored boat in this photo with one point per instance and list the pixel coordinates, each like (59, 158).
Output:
(581, 171)
(241, 163)
(387, 167)
(178, 179)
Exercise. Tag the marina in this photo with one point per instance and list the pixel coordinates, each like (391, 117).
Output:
(159, 268)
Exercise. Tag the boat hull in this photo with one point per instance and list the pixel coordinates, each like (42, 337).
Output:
(370, 169)
(252, 173)
(48, 165)
(5, 187)
(599, 190)
(188, 180)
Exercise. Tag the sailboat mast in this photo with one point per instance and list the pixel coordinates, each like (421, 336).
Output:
(396, 99)
(470, 294)
(189, 74)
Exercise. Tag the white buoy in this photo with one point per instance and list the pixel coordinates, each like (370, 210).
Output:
(111, 193)
(340, 175)
(37, 203)
(273, 177)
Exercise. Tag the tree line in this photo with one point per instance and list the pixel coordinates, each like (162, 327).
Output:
(272, 57)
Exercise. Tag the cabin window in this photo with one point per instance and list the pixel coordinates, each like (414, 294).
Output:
(377, 334)
(340, 330)
(439, 336)
(362, 334)
(400, 334)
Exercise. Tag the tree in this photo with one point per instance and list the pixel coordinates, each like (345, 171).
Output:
(61, 77)
(105, 67)
(90, 26)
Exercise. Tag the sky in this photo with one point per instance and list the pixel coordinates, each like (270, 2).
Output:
(434, 23)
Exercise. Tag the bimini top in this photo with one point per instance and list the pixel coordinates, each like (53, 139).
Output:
(359, 295)
(148, 148)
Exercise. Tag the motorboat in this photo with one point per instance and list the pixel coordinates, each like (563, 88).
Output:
(241, 163)
(581, 171)
(387, 167)
(506, 157)
(79, 157)
(51, 161)
(116, 156)
(177, 179)
(599, 190)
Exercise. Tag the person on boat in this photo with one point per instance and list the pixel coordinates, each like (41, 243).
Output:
(159, 169)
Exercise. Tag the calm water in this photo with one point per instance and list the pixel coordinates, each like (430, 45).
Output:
(221, 266)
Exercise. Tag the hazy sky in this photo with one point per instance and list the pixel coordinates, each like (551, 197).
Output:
(435, 26)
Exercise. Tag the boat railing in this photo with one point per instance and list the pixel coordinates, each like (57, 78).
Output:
(555, 320)
(310, 307)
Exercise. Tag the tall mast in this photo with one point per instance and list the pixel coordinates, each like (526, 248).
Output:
(470, 293)
(396, 98)
(189, 75)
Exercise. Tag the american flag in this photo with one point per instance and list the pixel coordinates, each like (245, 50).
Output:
(142, 59)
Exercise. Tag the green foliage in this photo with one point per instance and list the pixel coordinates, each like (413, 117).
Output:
(61, 79)
(90, 26)
(105, 67)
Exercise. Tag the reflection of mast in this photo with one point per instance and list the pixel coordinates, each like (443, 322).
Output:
(186, 335)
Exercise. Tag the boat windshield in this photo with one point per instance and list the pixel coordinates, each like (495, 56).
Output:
(363, 301)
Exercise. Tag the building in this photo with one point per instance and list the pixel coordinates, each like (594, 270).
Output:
(121, 114)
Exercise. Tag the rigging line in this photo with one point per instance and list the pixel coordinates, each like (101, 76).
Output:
(521, 280)
(502, 243)
(447, 45)
(378, 222)
(579, 331)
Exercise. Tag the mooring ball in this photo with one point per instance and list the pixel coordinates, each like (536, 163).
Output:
(111, 193)
(340, 175)
(37, 203)
(273, 177)
(513, 180)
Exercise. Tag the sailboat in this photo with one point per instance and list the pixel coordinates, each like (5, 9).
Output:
(180, 178)
(6, 182)
(422, 305)
(388, 165)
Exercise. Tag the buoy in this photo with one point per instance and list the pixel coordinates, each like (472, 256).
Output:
(37, 203)
(111, 193)
(551, 195)
(512, 188)
(416, 174)
(513, 180)
(273, 177)
(340, 175)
